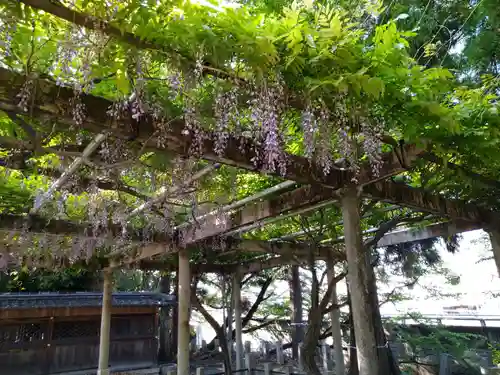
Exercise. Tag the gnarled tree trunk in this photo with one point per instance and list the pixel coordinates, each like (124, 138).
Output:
(296, 299)
(387, 362)
(315, 319)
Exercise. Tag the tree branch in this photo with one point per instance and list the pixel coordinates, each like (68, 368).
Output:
(260, 326)
(334, 307)
(258, 301)
(328, 294)
(24, 125)
(388, 226)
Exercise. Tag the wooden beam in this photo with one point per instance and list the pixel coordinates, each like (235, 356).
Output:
(232, 246)
(418, 199)
(39, 225)
(288, 254)
(51, 101)
(257, 211)
(446, 229)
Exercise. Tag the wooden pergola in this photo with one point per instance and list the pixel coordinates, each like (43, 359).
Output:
(306, 188)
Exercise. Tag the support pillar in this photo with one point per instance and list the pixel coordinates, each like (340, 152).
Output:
(107, 290)
(358, 278)
(183, 303)
(335, 321)
(296, 298)
(237, 320)
(230, 313)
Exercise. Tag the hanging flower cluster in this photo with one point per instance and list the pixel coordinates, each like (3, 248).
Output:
(344, 130)
(372, 143)
(226, 117)
(138, 106)
(347, 136)
(310, 129)
(266, 110)
(325, 159)
(25, 94)
(7, 30)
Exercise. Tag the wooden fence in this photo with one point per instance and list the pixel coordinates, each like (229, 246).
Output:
(62, 344)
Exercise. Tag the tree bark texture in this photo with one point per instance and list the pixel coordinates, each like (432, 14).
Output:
(296, 299)
(495, 247)
(359, 285)
(353, 355)
(311, 341)
(387, 362)
(219, 331)
(335, 322)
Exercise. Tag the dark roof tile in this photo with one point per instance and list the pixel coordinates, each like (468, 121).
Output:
(81, 299)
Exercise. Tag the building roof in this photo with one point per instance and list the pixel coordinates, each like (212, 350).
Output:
(81, 299)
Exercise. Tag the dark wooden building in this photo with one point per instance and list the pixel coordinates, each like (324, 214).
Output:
(50, 333)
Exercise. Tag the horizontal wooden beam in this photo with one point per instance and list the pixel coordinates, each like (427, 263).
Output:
(446, 229)
(273, 206)
(421, 200)
(37, 224)
(54, 102)
(232, 247)
(252, 266)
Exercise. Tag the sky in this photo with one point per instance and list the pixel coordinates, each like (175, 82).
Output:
(478, 280)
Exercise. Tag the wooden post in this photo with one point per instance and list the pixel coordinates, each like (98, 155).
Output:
(184, 300)
(262, 348)
(249, 363)
(217, 345)
(192, 346)
(443, 364)
(335, 322)
(301, 357)
(358, 279)
(248, 347)
(200, 371)
(49, 349)
(279, 353)
(107, 295)
(237, 320)
(325, 356)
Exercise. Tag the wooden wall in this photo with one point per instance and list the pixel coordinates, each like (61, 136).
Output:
(47, 345)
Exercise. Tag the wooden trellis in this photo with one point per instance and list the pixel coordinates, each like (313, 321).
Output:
(307, 188)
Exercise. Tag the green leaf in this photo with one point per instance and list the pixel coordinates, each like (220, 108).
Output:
(122, 82)
(374, 87)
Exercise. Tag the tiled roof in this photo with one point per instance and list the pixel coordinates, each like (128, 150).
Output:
(81, 299)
